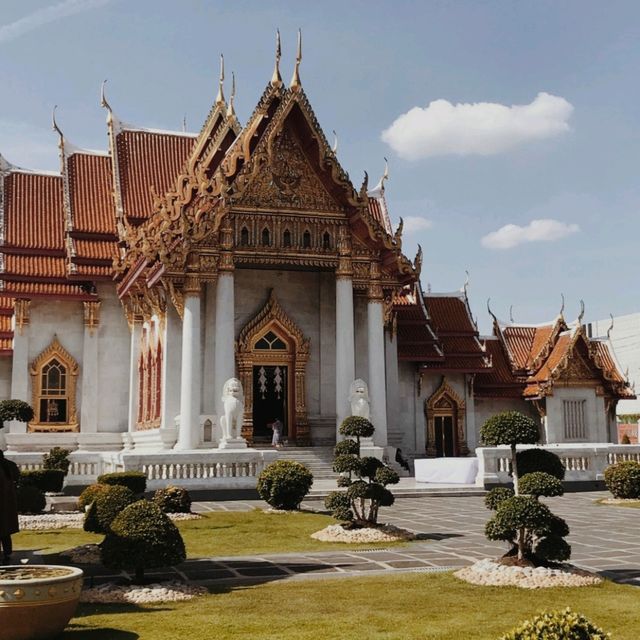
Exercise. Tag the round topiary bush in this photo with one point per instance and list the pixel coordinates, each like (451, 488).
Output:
(347, 448)
(47, 480)
(356, 427)
(552, 549)
(15, 410)
(142, 537)
(623, 479)
(57, 458)
(136, 481)
(173, 500)
(284, 483)
(539, 483)
(105, 507)
(90, 494)
(497, 496)
(30, 499)
(511, 428)
(530, 460)
(559, 625)
(339, 504)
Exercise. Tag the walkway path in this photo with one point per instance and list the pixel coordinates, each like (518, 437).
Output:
(605, 539)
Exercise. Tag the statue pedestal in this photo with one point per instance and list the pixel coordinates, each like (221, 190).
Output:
(367, 448)
(232, 443)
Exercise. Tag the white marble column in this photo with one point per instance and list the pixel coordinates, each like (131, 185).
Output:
(224, 359)
(89, 407)
(394, 429)
(134, 374)
(377, 382)
(171, 370)
(20, 361)
(189, 432)
(345, 348)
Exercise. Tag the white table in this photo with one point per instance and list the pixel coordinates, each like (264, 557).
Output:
(446, 470)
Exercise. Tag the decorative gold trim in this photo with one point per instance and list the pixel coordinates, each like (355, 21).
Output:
(92, 315)
(456, 409)
(274, 318)
(57, 351)
(22, 312)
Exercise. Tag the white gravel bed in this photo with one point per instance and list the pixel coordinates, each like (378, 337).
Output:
(490, 573)
(137, 594)
(75, 520)
(620, 501)
(383, 533)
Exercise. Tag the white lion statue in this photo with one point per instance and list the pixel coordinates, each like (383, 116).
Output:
(359, 399)
(233, 409)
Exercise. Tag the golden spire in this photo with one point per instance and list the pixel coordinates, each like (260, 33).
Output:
(295, 79)
(276, 78)
(220, 96)
(231, 112)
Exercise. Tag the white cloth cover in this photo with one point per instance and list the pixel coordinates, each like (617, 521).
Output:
(447, 470)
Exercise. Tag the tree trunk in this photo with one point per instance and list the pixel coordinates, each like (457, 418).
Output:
(521, 543)
(514, 469)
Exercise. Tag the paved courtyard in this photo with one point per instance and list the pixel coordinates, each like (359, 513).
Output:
(605, 539)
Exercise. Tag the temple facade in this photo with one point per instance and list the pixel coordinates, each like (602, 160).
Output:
(138, 280)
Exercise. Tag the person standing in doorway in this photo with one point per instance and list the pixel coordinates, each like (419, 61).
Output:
(9, 476)
(277, 427)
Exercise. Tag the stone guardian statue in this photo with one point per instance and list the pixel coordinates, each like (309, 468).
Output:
(232, 416)
(359, 399)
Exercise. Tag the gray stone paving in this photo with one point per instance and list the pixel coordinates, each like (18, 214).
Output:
(605, 539)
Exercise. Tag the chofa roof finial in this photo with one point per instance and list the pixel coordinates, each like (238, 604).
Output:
(581, 314)
(220, 96)
(335, 143)
(295, 79)
(562, 306)
(610, 329)
(231, 112)
(276, 78)
(493, 315)
(511, 320)
(465, 286)
(54, 124)
(103, 98)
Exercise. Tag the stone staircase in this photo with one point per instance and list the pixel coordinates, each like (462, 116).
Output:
(319, 460)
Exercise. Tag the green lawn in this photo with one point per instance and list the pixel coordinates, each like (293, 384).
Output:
(404, 607)
(224, 533)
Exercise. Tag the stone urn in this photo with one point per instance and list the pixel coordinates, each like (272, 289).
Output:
(37, 601)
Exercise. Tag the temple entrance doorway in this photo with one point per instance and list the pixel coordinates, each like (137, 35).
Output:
(270, 400)
(445, 436)
(445, 413)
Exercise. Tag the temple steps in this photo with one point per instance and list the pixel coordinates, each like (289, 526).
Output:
(319, 460)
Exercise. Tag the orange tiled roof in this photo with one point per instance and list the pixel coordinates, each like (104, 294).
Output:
(148, 159)
(48, 290)
(95, 249)
(33, 211)
(450, 314)
(90, 193)
(498, 381)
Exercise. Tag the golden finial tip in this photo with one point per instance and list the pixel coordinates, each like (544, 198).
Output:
(231, 112)
(276, 78)
(220, 96)
(295, 80)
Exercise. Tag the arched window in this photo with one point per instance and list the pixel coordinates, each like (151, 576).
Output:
(286, 238)
(244, 237)
(270, 341)
(326, 240)
(266, 237)
(306, 239)
(54, 375)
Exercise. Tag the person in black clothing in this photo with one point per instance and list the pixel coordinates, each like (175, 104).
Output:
(9, 476)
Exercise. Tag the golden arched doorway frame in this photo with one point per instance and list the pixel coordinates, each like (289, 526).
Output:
(273, 318)
(446, 402)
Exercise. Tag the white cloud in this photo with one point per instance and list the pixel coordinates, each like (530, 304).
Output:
(480, 128)
(544, 230)
(416, 223)
(46, 15)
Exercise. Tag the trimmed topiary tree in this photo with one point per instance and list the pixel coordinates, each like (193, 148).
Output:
(30, 499)
(284, 483)
(15, 410)
(90, 494)
(365, 479)
(141, 538)
(105, 508)
(557, 625)
(173, 500)
(535, 534)
(136, 481)
(57, 458)
(623, 479)
(511, 428)
(47, 480)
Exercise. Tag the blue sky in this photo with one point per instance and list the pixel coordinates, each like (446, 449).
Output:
(568, 155)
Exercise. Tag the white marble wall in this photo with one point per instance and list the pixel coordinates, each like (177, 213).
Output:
(5, 378)
(596, 418)
(487, 407)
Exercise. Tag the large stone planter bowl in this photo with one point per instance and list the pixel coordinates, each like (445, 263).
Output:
(37, 601)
